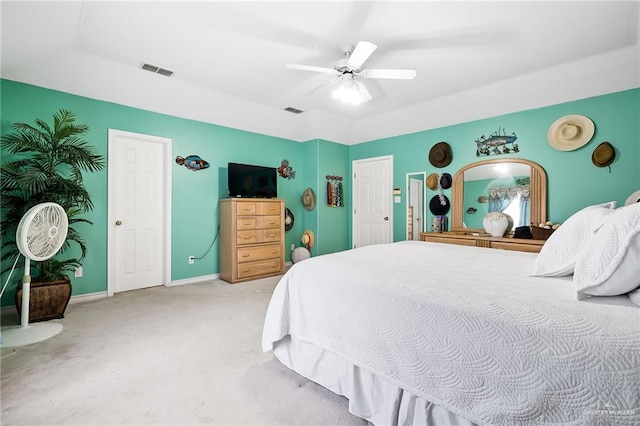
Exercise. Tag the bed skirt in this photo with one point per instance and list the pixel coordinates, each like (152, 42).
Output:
(370, 397)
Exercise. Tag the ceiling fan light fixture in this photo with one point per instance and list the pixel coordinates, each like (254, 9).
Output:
(350, 91)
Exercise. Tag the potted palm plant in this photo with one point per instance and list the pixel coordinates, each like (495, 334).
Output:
(46, 163)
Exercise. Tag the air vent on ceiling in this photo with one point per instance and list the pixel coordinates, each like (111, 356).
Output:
(294, 110)
(157, 70)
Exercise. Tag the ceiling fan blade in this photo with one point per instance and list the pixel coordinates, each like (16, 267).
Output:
(365, 96)
(360, 54)
(398, 74)
(311, 68)
(322, 86)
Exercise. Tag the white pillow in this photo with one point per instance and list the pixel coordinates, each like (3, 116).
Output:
(610, 265)
(634, 296)
(558, 255)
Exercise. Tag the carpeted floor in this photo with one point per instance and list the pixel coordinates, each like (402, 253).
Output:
(181, 356)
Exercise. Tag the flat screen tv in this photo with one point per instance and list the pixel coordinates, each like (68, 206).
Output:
(250, 181)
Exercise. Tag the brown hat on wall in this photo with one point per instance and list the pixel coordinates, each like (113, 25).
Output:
(308, 199)
(432, 181)
(603, 155)
(440, 155)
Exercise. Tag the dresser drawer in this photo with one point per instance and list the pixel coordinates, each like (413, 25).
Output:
(267, 208)
(267, 235)
(261, 267)
(245, 222)
(246, 208)
(516, 246)
(267, 222)
(250, 254)
(246, 237)
(459, 242)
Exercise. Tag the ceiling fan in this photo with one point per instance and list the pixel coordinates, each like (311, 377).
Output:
(346, 69)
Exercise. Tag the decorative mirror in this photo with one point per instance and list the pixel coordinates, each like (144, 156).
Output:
(509, 185)
(416, 204)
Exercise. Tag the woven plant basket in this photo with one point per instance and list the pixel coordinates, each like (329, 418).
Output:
(47, 300)
(540, 233)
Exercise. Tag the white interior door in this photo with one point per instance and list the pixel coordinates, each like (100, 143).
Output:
(139, 211)
(415, 199)
(372, 204)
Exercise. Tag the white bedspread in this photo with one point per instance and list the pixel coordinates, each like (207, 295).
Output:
(468, 329)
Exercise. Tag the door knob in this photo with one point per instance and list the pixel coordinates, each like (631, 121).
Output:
(118, 222)
(386, 218)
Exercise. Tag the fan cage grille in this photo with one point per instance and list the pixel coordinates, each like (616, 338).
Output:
(42, 231)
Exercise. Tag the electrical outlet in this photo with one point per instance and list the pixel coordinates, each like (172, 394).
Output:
(293, 247)
(77, 272)
(192, 260)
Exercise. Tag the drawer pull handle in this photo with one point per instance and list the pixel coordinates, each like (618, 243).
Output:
(247, 238)
(245, 270)
(272, 235)
(245, 255)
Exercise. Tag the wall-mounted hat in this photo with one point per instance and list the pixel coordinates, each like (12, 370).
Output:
(570, 132)
(440, 155)
(439, 205)
(445, 181)
(308, 239)
(603, 155)
(289, 219)
(308, 199)
(633, 198)
(432, 181)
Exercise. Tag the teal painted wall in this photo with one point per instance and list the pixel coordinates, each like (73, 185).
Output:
(309, 218)
(333, 222)
(573, 180)
(195, 195)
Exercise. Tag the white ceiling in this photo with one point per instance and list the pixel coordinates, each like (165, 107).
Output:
(473, 59)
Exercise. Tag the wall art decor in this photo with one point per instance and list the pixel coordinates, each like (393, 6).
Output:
(497, 143)
(335, 196)
(286, 171)
(192, 162)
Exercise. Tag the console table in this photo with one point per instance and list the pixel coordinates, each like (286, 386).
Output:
(483, 240)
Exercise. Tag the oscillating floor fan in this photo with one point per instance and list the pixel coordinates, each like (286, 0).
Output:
(40, 234)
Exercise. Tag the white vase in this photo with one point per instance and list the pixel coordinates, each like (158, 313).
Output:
(509, 224)
(495, 223)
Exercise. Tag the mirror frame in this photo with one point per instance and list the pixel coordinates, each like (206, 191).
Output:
(423, 226)
(538, 193)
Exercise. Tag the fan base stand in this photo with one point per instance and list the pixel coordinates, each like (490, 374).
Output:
(21, 336)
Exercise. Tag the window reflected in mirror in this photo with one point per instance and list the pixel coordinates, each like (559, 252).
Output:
(500, 187)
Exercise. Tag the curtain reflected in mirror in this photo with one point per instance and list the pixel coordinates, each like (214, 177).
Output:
(501, 187)
(416, 204)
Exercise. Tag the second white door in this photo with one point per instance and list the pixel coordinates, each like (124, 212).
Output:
(372, 208)
(137, 211)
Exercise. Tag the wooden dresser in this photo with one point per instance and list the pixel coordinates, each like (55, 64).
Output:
(504, 243)
(251, 238)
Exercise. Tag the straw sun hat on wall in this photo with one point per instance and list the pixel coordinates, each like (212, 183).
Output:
(570, 132)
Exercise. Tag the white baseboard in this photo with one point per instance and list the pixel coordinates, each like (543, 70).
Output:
(87, 297)
(102, 294)
(194, 280)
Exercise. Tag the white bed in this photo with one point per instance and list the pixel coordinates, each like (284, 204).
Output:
(427, 333)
